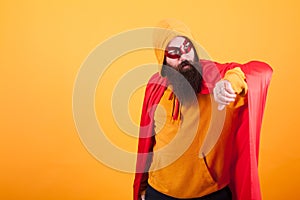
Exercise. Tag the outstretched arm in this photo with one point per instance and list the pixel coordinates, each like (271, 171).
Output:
(227, 89)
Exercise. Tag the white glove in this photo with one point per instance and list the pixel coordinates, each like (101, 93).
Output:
(143, 197)
(223, 94)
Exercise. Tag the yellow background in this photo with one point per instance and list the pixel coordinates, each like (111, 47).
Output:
(44, 43)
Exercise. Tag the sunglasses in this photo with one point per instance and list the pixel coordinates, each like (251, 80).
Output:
(176, 52)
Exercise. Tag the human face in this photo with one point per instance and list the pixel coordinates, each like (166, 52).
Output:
(178, 50)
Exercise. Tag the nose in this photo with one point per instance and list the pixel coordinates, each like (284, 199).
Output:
(183, 57)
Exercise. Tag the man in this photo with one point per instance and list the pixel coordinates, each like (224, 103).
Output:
(190, 147)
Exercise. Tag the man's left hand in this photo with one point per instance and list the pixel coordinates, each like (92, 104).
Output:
(223, 94)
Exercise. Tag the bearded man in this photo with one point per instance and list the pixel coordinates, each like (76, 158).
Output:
(190, 147)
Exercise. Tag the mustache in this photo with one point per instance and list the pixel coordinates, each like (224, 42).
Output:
(183, 64)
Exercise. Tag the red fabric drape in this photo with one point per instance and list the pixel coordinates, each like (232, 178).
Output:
(244, 174)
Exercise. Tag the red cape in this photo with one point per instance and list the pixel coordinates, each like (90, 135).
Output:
(244, 175)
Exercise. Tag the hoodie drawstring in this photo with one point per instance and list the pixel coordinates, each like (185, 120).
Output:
(176, 106)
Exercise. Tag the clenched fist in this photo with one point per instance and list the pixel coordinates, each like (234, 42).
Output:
(223, 93)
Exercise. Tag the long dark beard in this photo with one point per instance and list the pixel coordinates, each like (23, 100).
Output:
(186, 82)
